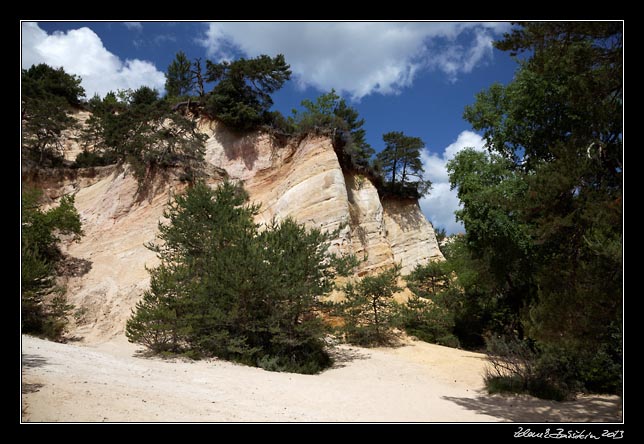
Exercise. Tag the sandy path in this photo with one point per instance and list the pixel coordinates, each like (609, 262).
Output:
(417, 382)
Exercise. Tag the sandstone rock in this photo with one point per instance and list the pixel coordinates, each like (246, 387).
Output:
(302, 179)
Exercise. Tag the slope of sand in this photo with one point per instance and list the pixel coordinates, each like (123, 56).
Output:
(415, 382)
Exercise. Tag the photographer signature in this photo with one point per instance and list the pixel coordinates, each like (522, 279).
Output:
(568, 434)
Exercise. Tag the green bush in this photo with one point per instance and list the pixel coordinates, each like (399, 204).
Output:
(88, 159)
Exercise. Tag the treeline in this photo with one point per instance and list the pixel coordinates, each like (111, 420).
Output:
(543, 214)
(151, 132)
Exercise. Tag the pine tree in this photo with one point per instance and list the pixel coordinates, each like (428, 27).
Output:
(242, 97)
(44, 309)
(226, 289)
(179, 78)
(369, 309)
(400, 161)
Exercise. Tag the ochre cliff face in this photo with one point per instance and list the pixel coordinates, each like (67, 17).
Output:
(302, 180)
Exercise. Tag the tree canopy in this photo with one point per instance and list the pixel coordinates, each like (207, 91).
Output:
(48, 96)
(241, 97)
(143, 130)
(329, 112)
(179, 77)
(400, 162)
(543, 209)
(224, 288)
(44, 309)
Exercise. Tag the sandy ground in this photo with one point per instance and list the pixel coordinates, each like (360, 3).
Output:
(415, 382)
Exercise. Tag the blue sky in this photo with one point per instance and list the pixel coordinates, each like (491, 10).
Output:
(414, 77)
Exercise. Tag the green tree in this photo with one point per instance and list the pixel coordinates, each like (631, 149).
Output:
(42, 81)
(441, 234)
(179, 78)
(143, 130)
(430, 313)
(490, 190)
(369, 309)
(44, 309)
(558, 128)
(400, 161)
(48, 95)
(226, 289)
(242, 96)
(330, 113)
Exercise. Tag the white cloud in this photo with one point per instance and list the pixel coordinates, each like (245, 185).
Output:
(81, 52)
(359, 58)
(134, 26)
(441, 203)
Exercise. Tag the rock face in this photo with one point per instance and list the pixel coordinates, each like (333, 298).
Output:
(302, 179)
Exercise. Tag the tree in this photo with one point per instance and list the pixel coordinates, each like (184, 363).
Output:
(400, 161)
(226, 289)
(558, 129)
(44, 309)
(47, 97)
(179, 78)
(369, 308)
(42, 81)
(430, 313)
(441, 234)
(491, 191)
(241, 98)
(331, 113)
(143, 130)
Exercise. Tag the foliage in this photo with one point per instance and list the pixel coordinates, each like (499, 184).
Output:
(241, 98)
(179, 77)
(400, 161)
(224, 288)
(47, 97)
(44, 310)
(41, 82)
(331, 114)
(490, 191)
(369, 309)
(543, 210)
(429, 313)
(441, 234)
(142, 129)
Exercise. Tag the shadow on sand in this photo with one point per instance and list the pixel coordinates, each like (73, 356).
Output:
(529, 409)
(32, 361)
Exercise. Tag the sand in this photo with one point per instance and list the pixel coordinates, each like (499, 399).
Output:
(112, 382)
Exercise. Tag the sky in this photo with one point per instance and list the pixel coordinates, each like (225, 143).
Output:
(415, 77)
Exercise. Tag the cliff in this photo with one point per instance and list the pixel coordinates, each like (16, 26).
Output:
(302, 179)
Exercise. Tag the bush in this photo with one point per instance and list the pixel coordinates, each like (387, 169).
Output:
(226, 289)
(519, 366)
(89, 159)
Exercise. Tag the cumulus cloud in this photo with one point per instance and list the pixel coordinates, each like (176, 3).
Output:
(440, 205)
(134, 26)
(359, 58)
(81, 52)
